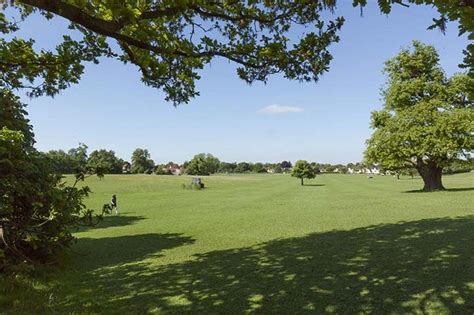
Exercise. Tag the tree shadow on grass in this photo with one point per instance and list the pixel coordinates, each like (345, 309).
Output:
(104, 252)
(314, 185)
(445, 190)
(460, 189)
(112, 221)
(411, 267)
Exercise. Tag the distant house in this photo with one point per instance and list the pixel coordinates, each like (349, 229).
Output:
(370, 170)
(174, 169)
(375, 170)
(126, 168)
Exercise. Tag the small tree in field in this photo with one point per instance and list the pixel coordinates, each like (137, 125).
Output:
(427, 121)
(302, 170)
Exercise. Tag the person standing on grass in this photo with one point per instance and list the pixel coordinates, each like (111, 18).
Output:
(113, 204)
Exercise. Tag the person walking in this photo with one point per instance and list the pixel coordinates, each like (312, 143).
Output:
(114, 205)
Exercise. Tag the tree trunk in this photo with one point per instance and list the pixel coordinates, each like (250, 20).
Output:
(302, 181)
(431, 175)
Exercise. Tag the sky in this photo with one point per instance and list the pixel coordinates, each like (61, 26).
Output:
(327, 121)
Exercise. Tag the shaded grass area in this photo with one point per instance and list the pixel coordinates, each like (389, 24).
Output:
(108, 221)
(126, 249)
(421, 266)
(265, 244)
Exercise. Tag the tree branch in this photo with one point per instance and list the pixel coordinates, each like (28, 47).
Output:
(112, 28)
(76, 15)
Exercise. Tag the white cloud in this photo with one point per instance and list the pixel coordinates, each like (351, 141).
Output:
(280, 109)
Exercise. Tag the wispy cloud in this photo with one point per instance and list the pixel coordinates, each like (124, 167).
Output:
(280, 109)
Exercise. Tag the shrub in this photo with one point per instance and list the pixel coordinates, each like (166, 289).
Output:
(37, 208)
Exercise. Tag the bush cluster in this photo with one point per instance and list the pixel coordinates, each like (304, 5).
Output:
(38, 209)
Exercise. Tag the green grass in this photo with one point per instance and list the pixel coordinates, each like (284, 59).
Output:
(264, 244)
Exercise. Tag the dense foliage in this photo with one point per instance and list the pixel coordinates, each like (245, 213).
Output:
(427, 121)
(141, 162)
(302, 170)
(249, 167)
(105, 161)
(77, 160)
(170, 41)
(37, 208)
(202, 164)
(71, 162)
(243, 167)
(62, 162)
(460, 166)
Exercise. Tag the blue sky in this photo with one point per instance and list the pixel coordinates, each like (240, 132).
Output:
(326, 121)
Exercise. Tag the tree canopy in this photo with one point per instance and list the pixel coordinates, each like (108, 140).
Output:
(427, 120)
(62, 162)
(13, 117)
(71, 162)
(302, 170)
(141, 162)
(203, 164)
(171, 41)
(79, 156)
(37, 208)
(105, 161)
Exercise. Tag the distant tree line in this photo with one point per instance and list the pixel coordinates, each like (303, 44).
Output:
(74, 159)
(77, 159)
(105, 161)
(68, 162)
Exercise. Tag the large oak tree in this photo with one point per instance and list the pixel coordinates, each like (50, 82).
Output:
(427, 121)
(171, 40)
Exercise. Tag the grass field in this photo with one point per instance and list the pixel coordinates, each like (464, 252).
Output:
(264, 244)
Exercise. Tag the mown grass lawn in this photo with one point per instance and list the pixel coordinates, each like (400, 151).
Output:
(264, 244)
